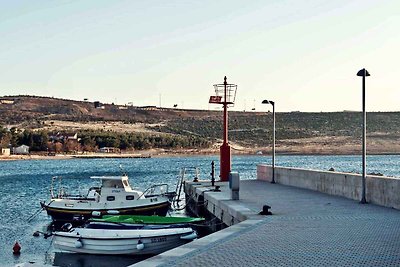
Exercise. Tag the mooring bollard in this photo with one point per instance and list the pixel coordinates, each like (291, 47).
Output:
(234, 185)
(212, 173)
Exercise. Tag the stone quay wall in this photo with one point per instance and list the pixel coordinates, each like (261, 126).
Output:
(380, 190)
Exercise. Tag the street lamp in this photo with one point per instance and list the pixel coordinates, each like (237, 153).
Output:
(363, 73)
(273, 137)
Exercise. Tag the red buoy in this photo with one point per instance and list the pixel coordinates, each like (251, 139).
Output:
(16, 248)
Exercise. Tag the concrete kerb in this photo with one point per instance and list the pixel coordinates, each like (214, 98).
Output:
(222, 201)
(202, 243)
(247, 219)
(217, 200)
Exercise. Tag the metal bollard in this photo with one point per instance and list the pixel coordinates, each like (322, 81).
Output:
(234, 185)
(212, 173)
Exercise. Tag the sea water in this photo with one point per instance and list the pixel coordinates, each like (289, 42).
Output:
(24, 183)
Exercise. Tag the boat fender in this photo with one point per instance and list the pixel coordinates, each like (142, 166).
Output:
(140, 245)
(190, 236)
(16, 248)
(66, 227)
(96, 213)
(113, 212)
(78, 243)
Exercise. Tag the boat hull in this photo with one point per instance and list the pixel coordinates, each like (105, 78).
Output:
(139, 219)
(62, 215)
(110, 242)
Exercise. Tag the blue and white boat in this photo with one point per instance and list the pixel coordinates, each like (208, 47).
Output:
(117, 239)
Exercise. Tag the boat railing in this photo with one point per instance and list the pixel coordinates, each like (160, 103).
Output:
(60, 193)
(157, 190)
(184, 174)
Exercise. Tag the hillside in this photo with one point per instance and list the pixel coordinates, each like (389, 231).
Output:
(28, 108)
(297, 132)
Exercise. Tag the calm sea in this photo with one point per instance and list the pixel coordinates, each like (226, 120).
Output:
(25, 183)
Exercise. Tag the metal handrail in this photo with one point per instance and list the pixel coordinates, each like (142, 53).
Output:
(153, 187)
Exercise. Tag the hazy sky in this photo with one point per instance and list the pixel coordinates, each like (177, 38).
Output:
(302, 54)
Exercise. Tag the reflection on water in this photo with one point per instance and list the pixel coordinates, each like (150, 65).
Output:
(84, 260)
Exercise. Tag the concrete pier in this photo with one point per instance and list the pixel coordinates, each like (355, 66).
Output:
(380, 190)
(307, 228)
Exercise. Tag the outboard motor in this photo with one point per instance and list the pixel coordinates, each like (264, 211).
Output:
(66, 227)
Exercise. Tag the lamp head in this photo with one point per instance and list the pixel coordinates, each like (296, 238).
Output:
(363, 72)
(268, 102)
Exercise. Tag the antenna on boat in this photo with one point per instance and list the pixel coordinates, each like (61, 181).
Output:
(122, 170)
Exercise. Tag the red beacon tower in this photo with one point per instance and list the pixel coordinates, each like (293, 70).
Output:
(225, 94)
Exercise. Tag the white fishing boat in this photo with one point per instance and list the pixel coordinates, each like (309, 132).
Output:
(114, 196)
(117, 239)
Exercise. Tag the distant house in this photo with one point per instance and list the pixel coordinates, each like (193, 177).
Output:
(21, 150)
(72, 137)
(108, 150)
(64, 137)
(7, 101)
(67, 141)
(148, 108)
(5, 152)
(98, 104)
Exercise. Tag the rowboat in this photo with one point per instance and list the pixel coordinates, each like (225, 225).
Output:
(140, 219)
(116, 239)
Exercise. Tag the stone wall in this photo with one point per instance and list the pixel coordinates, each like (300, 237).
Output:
(380, 190)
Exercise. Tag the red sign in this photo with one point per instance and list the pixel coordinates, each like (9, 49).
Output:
(215, 99)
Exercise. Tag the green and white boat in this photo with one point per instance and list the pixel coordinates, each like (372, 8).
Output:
(142, 219)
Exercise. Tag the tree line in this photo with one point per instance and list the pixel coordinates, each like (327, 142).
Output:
(92, 140)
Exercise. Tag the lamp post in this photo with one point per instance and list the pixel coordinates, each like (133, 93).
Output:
(273, 137)
(363, 73)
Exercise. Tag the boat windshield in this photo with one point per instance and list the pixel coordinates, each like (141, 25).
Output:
(112, 183)
(126, 184)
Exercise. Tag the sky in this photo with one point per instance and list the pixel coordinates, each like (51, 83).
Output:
(304, 55)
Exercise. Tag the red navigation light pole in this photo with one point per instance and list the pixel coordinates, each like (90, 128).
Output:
(224, 94)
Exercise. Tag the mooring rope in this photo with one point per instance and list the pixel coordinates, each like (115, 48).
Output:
(33, 216)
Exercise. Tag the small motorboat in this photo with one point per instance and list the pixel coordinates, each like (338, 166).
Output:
(114, 196)
(118, 239)
(154, 219)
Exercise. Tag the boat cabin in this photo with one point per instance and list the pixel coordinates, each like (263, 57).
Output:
(113, 188)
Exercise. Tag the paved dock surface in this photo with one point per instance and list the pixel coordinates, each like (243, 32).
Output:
(307, 228)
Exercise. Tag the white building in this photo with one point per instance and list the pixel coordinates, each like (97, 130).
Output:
(7, 101)
(21, 150)
(5, 152)
(108, 150)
